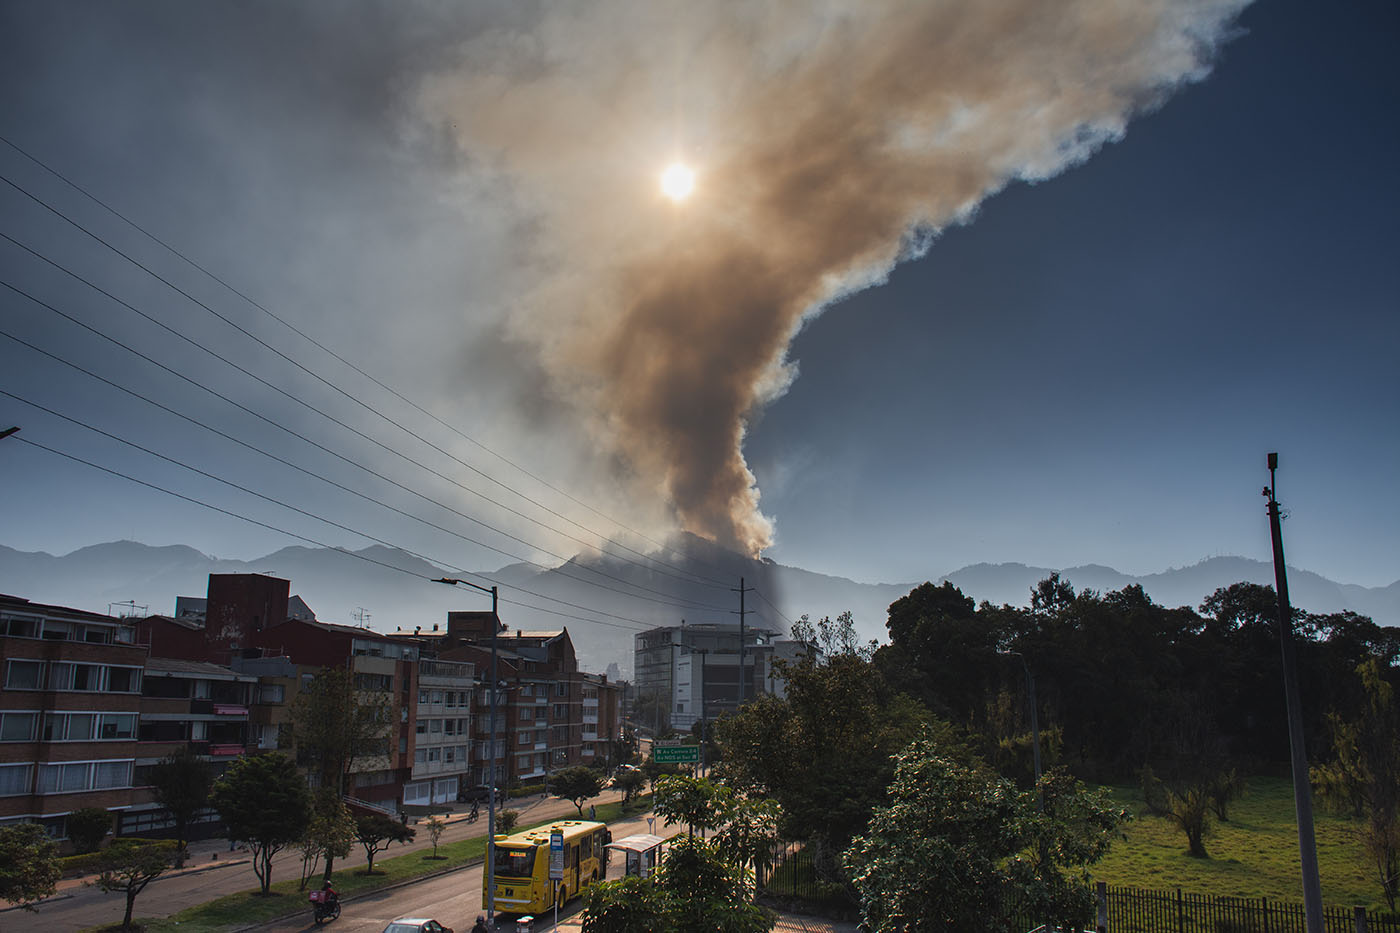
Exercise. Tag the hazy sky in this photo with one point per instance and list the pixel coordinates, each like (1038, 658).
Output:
(959, 282)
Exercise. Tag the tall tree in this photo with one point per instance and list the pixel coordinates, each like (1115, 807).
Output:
(264, 801)
(1365, 773)
(180, 783)
(87, 827)
(334, 725)
(128, 865)
(29, 869)
(697, 802)
(329, 834)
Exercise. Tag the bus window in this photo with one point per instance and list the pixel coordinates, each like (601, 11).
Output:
(571, 856)
(515, 863)
(585, 847)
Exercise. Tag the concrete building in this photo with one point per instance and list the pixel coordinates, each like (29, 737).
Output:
(686, 673)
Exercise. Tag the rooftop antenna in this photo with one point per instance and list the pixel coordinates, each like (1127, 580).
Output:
(362, 616)
(131, 605)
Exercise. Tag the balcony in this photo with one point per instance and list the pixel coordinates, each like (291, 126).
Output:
(225, 750)
(590, 736)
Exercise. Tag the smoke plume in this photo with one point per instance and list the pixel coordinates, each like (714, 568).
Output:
(830, 141)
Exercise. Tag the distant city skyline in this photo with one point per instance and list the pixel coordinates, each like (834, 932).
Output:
(1087, 365)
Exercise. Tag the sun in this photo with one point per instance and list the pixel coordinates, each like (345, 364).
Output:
(678, 181)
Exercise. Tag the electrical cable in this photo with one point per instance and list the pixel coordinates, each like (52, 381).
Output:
(340, 486)
(359, 556)
(327, 350)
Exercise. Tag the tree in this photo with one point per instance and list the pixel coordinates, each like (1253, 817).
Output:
(180, 782)
(506, 820)
(1191, 771)
(330, 833)
(656, 770)
(334, 725)
(824, 752)
(628, 905)
(696, 802)
(128, 865)
(264, 801)
(29, 869)
(575, 784)
(376, 832)
(695, 890)
(750, 832)
(957, 841)
(1365, 773)
(435, 825)
(87, 827)
(630, 781)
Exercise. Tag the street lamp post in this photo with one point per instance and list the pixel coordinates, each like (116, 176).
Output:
(1035, 723)
(491, 780)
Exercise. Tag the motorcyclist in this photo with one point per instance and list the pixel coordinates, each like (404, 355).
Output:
(330, 894)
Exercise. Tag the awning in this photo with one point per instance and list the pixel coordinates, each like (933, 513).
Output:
(640, 843)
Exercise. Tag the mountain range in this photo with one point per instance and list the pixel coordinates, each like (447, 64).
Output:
(604, 600)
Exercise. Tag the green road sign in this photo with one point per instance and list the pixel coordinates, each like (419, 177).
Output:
(676, 754)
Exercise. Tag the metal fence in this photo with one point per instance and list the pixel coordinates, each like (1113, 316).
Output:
(1133, 910)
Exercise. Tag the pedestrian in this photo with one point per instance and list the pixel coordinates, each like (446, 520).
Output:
(592, 812)
(480, 925)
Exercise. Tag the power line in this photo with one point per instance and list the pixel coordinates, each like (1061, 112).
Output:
(670, 600)
(291, 397)
(330, 352)
(681, 603)
(199, 502)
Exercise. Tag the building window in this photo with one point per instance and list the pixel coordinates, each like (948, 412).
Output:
(14, 780)
(561, 690)
(17, 727)
(434, 754)
(527, 714)
(24, 675)
(420, 756)
(422, 698)
(422, 727)
(271, 693)
(123, 680)
(435, 726)
(449, 754)
(561, 711)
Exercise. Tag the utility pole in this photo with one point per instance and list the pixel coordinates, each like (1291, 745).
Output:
(741, 591)
(1302, 789)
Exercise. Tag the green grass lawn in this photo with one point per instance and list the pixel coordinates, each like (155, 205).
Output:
(1254, 854)
(251, 907)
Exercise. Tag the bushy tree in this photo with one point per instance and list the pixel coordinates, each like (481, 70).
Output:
(506, 820)
(697, 802)
(695, 890)
(29, 869)
(128, 865)
(575, 784)
(180, 783)
(263, 800)
(87, 827)
(956, 842)
(376, 832)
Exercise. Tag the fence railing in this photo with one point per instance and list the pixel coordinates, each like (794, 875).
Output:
(1133, 910)
(789, 872)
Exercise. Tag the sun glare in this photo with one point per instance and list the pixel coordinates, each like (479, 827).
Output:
(677, 182)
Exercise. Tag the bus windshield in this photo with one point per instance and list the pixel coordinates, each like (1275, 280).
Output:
(515, 863)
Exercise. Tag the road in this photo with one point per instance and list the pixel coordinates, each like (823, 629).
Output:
(213, 871)
(453, 900)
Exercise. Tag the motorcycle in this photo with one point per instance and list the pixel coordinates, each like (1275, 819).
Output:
(324, 906)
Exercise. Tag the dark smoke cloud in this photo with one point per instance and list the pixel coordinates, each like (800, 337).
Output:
(830, 141)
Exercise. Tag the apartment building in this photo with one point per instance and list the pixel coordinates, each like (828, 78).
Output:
(69, 712)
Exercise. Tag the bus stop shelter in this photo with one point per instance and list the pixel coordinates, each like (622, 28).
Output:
(641, 851)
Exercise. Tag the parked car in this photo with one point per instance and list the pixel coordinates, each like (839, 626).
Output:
(416, 925)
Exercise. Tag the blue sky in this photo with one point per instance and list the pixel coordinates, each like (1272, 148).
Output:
(1089, 369)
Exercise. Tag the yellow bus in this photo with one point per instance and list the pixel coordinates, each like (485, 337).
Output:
(523, 885)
